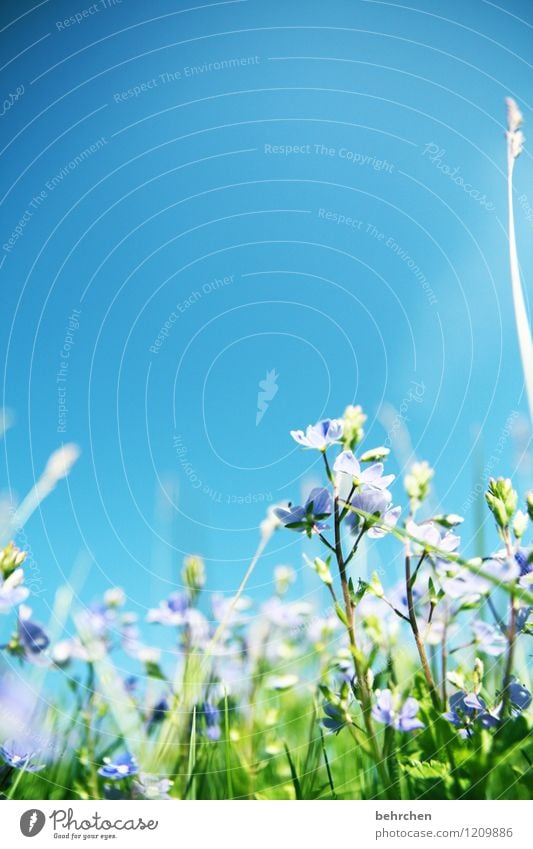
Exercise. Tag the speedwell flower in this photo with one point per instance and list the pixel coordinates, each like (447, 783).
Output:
(119, 766)
(376, 502)
(388, 711)
(307, 518)
(320, 435)
(16, 755)
(347, 464)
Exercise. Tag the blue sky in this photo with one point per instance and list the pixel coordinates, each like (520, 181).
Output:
(314, 189)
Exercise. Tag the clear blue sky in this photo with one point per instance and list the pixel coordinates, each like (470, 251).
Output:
(312, 188)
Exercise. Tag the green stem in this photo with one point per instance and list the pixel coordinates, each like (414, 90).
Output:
(409, 582)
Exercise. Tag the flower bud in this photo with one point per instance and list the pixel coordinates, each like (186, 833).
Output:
(520, 523)
(529, 502)
(321, 567)
(417, 483)
(502, 500)
(193, 574)
(284, 576)
(11, 558)
(353, 421)
(374, 455)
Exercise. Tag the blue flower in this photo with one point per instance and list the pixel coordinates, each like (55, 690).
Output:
(376, 502)
(211, 716)
(402, 718)
(120, 766)
(519, 697)
(307, 518)
(347, 464)
(32, 638)
(320, 435)
(468, 708)
(19, 757)
(523, 558)
(151, 787)
(335, 718)
(171, 611)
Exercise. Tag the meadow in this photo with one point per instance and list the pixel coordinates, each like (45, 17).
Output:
(415, 690)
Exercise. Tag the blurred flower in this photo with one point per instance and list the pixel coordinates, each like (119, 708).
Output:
(211, 716)
(347, 464)
(519, 697)
(150, 787)
(119, 766)
(290, 615)
(17, 756)
(307, 518)
(171, 611)
(32, 638)
(281, 682)
(417, 483)
(197, 628)
(336, 717)
(284, 576)
(11, 590)
(193, 575)
(320, 435)
(115, 597)
(489, 639)
(388, 711)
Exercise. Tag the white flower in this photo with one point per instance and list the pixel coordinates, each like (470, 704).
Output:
(11, 591)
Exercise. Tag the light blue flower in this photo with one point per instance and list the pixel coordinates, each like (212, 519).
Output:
(388, 711)
(467, 709)
(211, 716)
(119, 766)
(347, 464)
(320, 435)
(519, 696)
(335, 718)
(171, 611)
(488, 638)
(376, 502)
(307, 518)
(11, 590)
(17, 756)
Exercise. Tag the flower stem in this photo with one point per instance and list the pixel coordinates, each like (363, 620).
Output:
(435, 698)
